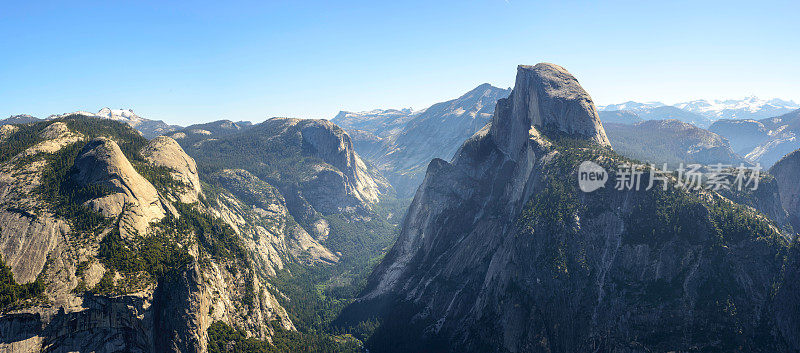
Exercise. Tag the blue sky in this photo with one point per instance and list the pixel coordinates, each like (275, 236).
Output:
(188, 62)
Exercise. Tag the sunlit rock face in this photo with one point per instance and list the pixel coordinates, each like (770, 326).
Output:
(499, 251)
(787, 174)
(101, 163)
(551, 99)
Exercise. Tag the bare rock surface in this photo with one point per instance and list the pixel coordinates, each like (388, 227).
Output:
(163, 151)
(401, 143)
(550, 98)
(141, 313)
(499, 251)
(101, 163)
(787, 174)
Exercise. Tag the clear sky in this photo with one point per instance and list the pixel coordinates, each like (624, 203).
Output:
(188, 62)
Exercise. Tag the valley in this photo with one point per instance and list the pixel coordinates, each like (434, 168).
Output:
(457, 227)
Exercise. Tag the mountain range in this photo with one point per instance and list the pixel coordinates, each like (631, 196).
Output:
(500, 252)
(463, 227)
(401, 143)
(111, 242)
(670, 141)
(763, 141)
(148, 128)
(703, 112)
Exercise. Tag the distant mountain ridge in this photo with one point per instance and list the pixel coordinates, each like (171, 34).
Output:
(747, 108)
(401, 143)
(19, 119)
(148, 128)
(502, 251)
(380, 122)
(670, 141)
(762, 141)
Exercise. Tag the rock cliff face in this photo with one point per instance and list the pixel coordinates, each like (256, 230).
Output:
(500, 251)
(402, 143)
(548, 97)
(787, 175)
(164, 152)
(129, 196)
(269, 207)
(329, 142)
(130, 253)
(28, 235)
(311, 162)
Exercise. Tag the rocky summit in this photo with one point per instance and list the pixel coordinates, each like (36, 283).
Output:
(549, 98)
(500, 251)
(111, 243)
(279, 237)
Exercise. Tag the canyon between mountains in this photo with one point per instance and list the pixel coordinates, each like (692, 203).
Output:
(459, 228)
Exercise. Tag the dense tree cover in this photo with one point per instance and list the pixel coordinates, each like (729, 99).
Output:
(11, 292)
(57, 188)
(645, 144)
(273, 155)
(106, 284)
(215, 236)
(65, 197)
(159, 253)
(658, 215)
(314, 296)
(27, 135)
(223, 338)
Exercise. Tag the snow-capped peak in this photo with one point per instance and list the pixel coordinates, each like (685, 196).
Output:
(121, 115)
(126, 115)
(750, 107)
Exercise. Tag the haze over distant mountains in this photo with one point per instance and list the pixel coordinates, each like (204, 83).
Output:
(148, 128)
(764, 141)
(670, 141)
(699, 112)
(401, 143)
(500, 252)
(226, 235)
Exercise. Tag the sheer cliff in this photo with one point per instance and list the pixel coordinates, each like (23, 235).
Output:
(110, 242)
(500, 251)
(311, 162)
(402, 143)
